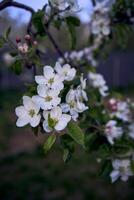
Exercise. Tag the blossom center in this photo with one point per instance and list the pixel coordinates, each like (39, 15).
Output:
(51, 80)
(32, 113)
(48, 98)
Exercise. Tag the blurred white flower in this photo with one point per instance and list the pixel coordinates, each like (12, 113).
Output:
(97, 81)
(23, 48)
(28, 113)
(55, 120)
(50, 79)
(120, 109)
(68, 5)
(100, 21)
(65, 71)
(8, 59)
(121, 169)
(112, 131)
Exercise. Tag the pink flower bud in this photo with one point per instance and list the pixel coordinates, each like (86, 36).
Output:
(27, 37)
(18, 40)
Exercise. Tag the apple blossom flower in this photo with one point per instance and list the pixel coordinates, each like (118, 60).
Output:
(100, 20)
(112, 131)
(97, 81)
(28, 113)
(75, 100)
(50, 79)
(121, 169)
(55, 120)
(67, 5)
(120, 109)
(65, 71)
(46, 98)
(23, 48)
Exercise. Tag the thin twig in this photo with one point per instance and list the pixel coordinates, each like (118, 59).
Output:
(10, 3)
(94, 2)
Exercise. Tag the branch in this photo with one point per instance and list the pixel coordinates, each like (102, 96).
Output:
(10, 3)
(94, 2)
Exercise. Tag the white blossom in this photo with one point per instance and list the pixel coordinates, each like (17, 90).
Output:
(120, 109)
(55, 120)
(97, 81)
(121, 169)
(100, 21)
(46, 98)
(75, 99)
(112, 131)
(50, 79)
(65, 71)
(68, 5)
(23, 48)
(28, 113)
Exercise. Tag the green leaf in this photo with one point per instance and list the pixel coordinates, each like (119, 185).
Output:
(76, 133)
(105, 170)
(68, 147)
(72, 22)
(7, 33)
(49, 143)
(66, 155)
(2, 42)
(38, 22)
(17, 67)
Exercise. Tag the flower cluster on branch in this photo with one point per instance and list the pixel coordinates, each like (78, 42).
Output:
(71, 101)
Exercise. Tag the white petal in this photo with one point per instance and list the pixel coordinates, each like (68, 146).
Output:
(65, 107)
(56, 101)
(74, 114)
(21, 111)
(63, 122)
(48, 72)
(46, 127)
(28, 103)
(56, 113)
(22, 121)
(106, 30)
(40, 79)
(34, 121)
(58, 67)
(45, 115)
(114, 175)
(124, 178)
(38, 100)
(42, 90)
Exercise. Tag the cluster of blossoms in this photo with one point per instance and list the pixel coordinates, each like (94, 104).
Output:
(84, 54)
(69, 6)
(46, 107)
(100, 20)
(97, 81)
(24, 47)
(121, 169)
(120, 126)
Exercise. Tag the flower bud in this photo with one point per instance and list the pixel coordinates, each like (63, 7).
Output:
(18, 40)
(27, 37)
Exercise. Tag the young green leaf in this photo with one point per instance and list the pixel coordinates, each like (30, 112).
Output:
(7, 33)
(76, 133)
(17, 67)
(49, 143)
